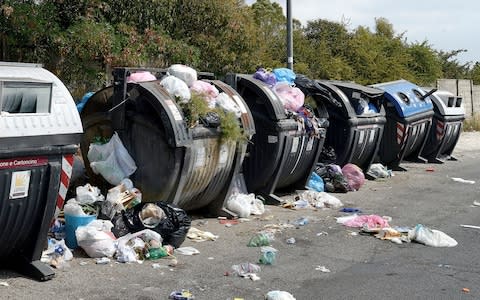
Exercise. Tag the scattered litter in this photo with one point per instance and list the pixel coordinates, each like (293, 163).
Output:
(279, 295)
(322, 233)
(181, 295)
(291, 240)
(353, 233)
(320, 199)
(173, 263)
(156, 266)
(247, 270)
(322, 269)
(198, 235)
(431, 237)
(211, 258)
(466, 290)
(4, 283)
(372, 221)
(430, 169)
(228, 222)
(102, 261)
(301, 221)
(380, 171)
(476, 203)
(269, 255)
(444, 266)
(187, 251)
(83, 263)
(461, 180)
(387, 218)
(260, 239)
(471, 226)
(57, 254)
(350, 210)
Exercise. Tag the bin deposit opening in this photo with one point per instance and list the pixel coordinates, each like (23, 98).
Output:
(25, 97)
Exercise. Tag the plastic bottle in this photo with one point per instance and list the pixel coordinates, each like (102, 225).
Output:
(268, 258)
(156, 253)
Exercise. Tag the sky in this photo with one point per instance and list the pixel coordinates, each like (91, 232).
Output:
(445, 25)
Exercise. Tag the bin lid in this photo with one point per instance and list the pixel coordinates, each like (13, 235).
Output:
(255, 91)
(446, 103)
(406, 97)
(34, 102)
(351, 87)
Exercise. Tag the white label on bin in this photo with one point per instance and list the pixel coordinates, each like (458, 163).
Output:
(200, 157)
(361, 137)
(272, 139)
(173, 108)
(223, 155)
(372, 136)
(19, 185)
(295, 144)
(310, 144)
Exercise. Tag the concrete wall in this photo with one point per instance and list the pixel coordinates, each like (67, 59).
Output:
(464, 88)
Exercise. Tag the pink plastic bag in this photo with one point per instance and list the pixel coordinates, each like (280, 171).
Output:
(354, 176)
(292, 97)
(141, 76)
(371, 221)
(206, 89)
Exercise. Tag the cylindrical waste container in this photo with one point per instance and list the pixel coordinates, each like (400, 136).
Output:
(39, 132)
(282, 153)
(448, 117)
(356, 118)
(409, 113)
(191, 167)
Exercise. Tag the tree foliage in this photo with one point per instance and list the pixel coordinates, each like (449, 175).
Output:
(81, 40)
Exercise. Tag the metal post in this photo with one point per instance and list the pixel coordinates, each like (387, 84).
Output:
(289, 36)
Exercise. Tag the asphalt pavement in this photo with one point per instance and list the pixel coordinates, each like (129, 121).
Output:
(360, 266)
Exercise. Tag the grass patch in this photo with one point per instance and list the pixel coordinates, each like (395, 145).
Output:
(472, 123)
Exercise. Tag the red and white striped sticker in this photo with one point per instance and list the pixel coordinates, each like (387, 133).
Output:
(65, 175)
(440, 130)
(400, 132)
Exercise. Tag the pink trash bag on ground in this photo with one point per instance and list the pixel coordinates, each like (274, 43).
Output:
(354, 176)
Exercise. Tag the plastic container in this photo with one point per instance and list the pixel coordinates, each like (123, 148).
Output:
(39, 131)
(448, 117)
(409, 113)
(282, 154)
(190, 167)
(71, 224)
(356, 121)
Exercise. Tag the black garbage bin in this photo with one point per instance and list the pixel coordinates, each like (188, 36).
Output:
(282, 154)
(409, 113)
(189, 167)
(357, 120)
(448, 118)
(39, 131)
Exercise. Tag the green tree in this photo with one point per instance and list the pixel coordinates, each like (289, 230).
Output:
(424, 63)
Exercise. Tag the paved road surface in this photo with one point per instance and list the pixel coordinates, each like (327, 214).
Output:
(362, 267)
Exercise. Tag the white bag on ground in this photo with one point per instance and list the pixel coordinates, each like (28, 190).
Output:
(176, 88)
(95, 240)
(241, 204)
(321, 199)
(111, 160)
(431, 237)
(279, 295)
(185, 73)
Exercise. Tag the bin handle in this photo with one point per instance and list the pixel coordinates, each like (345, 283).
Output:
(428, 94)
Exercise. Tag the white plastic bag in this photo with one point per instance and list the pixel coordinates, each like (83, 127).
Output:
(321, 199)
(279, 295)
(431, 237)
(88, 194)
(226, 103)
(95, 239)
(185, 73)
(72, 208)
(111, 160)
(127, 243)
(176, 88)
(241, 204)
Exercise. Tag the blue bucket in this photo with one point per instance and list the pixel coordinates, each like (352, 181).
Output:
(71, 224)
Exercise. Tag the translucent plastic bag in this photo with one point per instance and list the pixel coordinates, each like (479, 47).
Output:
(185, 73)
(206, 89)
(176, 88)
(96, 239)
(291, 97)
(354, 176)
(226, 103)
(111, 160)
(431, 237)
(315, 183)
(284, 75)
(265, 76)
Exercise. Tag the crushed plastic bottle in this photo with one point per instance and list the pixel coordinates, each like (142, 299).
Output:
(260, 239)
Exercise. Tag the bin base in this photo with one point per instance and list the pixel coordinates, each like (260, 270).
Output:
(271, 199)
(35, 269)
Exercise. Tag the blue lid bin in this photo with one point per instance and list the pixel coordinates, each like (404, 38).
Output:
(409, 113)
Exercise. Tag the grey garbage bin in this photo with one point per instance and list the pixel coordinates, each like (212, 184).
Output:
(39, 131)
(282, 154)
(448, 117)
(189, 167)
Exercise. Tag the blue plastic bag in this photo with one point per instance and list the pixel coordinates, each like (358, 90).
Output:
(315, 183)
(285, 74)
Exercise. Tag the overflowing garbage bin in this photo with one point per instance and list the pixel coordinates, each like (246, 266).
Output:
(409, 113)
(179, 160)
(40, 129)
(448, 117)
(357, 120)
(282, 153)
